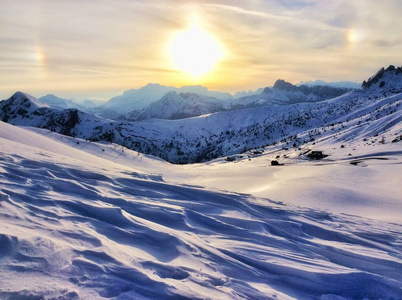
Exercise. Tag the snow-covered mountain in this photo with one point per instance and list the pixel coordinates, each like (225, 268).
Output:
(174, 106)
(230, 132)
(23, 109)
(184, 105)
(20, 104)
(337, 84)
(137, 100)
(157, 101)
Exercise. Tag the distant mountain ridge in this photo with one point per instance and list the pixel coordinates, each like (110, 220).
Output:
(321, 91)
(144, 102)
(174, 106)
(285, 93)
(247, 93)
(337, 84)
(143, 97)
(60, 103)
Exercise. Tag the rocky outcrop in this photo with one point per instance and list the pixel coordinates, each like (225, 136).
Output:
(380, 76)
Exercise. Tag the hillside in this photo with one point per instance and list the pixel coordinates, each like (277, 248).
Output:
(91, 228)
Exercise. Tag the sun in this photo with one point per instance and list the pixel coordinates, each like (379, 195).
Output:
(195, 51)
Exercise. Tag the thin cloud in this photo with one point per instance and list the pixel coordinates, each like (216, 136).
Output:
(124, 43)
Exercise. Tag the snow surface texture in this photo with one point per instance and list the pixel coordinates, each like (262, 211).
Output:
(75, 225)
(359, 177)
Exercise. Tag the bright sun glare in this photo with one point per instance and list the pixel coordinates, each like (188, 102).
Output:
(195, 51)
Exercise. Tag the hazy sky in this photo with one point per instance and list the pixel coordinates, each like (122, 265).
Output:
(88, 48)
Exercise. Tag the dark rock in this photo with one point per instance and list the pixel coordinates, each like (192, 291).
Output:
(316, 155)
(374, 79)
(281, 84)
(274, 163)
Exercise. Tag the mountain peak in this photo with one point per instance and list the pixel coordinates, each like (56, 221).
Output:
(281, 84)
(20, 97)
(50, 96)
(152, 86)
(170, 94)
(19, 105)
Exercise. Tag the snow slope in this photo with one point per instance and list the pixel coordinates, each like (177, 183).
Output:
(91, 228)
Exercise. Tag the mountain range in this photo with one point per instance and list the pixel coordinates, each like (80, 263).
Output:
(133, 103)
(223, 127)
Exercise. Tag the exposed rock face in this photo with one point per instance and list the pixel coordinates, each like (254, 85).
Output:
(285, 86)
(380, 76)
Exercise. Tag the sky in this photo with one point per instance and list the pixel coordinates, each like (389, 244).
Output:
(97, 49)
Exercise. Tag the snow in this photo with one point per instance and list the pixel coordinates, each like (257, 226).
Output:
(95, 220)
(370, 189)
(95, 227)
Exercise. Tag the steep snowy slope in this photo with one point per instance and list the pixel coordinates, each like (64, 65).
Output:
(78, 226)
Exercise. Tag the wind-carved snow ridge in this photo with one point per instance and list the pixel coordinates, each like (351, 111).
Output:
(77, 226)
